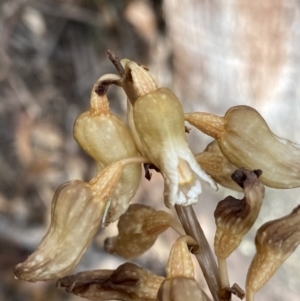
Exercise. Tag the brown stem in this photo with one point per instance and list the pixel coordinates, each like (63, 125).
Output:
(113, 57)
(223, 272)
(225, 285)
(204, 256)
(126, 80)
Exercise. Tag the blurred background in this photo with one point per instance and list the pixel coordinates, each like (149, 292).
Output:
(212, 54)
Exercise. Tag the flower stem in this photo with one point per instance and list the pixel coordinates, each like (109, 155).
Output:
(205, 256)
(249, 296)
(223, 274)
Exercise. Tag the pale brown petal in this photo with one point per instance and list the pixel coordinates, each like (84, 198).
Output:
(246, 141)
(180, 262)
(76, 215)
(275, 242)
(235, 217)
(138, 229)
(181, 289)
(159, 122)
(217, 166)
(107, 139)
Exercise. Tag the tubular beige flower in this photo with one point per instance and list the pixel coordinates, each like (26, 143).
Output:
(235, 217)
(275, 241)
(181, 288)
(180, 283)
(159, 122)
(76, 214)
(107, 139)
(138, 229)
(246, 140)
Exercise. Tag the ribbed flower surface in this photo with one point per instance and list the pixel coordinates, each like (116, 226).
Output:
(76, 215)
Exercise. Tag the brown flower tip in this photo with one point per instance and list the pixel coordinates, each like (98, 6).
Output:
(275, 242)
(128, 282)
(181, 288)
(138, 229)
(143, 82)
(99, 105)
(209, 124)
(217, 166)
(235, 217)
(180, 262)
(241, 175)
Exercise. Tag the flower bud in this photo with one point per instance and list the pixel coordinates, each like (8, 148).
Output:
(138, 229)
(76, 214)
(246, 141)
(180, 283)
(181, 288)
(275, 241)
(159, 122)
(217, 166)
(128, 282)
(235, 217)
(180, 262)
(107, 139)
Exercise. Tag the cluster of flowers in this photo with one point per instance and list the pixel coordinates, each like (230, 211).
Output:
(157, 138)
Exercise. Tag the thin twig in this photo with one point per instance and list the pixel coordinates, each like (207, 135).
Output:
(126, 80)
(113, 57)
(204, 256)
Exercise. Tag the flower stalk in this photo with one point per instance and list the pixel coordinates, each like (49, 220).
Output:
(204, 253)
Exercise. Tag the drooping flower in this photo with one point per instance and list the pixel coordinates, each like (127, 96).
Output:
(275, 241)
(107, 139)
(235, 217)
(128, 282)
(180, 283)
(159, 122)
(246, 141)
(138, 229)
(76, 214)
